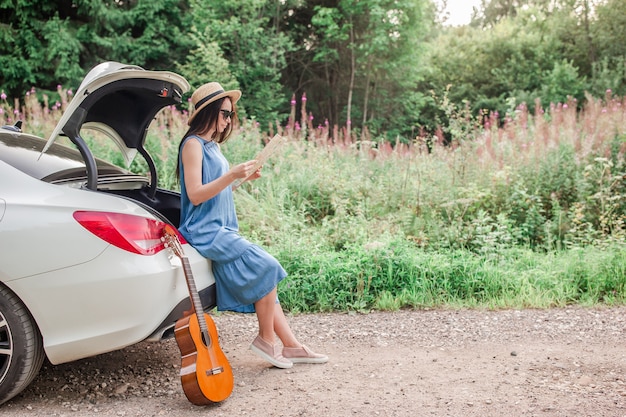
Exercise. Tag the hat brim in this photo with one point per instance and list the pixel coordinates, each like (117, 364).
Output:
(234, 96)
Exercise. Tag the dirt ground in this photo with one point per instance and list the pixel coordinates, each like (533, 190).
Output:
(557, 362)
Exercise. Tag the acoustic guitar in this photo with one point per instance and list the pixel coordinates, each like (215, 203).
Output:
(205, 373)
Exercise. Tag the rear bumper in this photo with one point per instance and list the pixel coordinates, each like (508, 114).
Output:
(166, 328)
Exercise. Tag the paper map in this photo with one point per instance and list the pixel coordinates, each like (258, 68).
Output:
(263, 156)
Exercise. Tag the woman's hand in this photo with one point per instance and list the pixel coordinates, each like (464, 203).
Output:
(245, 169)
(256, 174)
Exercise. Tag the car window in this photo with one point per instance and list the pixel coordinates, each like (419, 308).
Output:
(23, 151)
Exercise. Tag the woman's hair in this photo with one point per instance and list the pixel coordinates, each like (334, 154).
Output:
(202, 123)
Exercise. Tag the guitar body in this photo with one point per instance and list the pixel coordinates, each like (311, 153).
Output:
(205, 373)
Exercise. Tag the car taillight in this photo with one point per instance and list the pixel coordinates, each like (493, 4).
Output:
(135, 234)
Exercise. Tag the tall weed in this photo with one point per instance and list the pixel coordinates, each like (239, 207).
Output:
(528, 210)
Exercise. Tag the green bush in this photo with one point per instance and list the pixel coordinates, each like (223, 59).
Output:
(528, 214)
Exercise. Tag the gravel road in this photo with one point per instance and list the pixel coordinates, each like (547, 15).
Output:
(556, 362)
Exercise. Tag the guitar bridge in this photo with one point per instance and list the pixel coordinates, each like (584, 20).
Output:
(215, 371)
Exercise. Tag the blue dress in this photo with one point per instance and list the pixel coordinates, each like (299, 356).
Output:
(244, 272)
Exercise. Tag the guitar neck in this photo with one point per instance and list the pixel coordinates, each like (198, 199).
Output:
(193, 293)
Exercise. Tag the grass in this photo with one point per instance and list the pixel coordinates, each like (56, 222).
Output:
(528, 211)
(401, 276)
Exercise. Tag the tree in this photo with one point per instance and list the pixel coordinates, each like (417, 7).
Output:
(527, 50)
(46, 43)
(358, 67)
(607, 32)
(254, 46)
(205, 63)
(494, 11)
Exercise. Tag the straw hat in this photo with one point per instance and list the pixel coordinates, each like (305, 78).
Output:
(208, 93)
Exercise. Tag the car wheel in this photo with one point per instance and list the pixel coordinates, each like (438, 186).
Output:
(21, 346)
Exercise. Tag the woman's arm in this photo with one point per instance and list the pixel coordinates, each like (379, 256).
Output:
(192, 166)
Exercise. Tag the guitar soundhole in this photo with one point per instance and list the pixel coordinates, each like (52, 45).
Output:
(206, 340)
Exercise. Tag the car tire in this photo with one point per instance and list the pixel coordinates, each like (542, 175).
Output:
(21, 346)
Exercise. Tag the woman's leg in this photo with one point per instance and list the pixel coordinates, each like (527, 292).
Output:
(265, 343)
(265, 312)
(293, 350)
(282, 329)
(272, 321)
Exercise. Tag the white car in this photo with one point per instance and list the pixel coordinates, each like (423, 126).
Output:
(83, 267)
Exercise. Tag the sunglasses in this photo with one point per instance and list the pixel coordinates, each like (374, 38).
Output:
(227, 114)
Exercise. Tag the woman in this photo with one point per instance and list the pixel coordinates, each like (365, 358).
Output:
(246, 276)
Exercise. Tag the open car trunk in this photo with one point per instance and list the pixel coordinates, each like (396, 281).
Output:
(121, 101)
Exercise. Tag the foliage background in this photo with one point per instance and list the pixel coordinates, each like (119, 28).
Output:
(374, 68)
(427, 165)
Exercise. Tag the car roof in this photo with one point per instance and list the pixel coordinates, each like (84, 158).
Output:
(120, 100)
